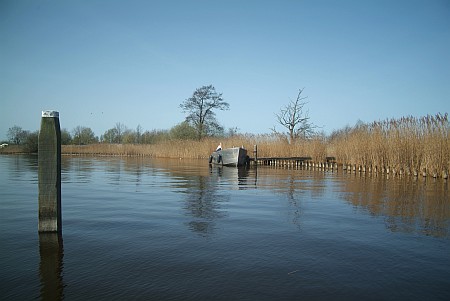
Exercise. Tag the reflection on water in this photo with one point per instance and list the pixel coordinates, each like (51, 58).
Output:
(202, 203)
(22, 168)
(235, 178)
(294, 198)
(408, 204)
(51, 266)
(141, 228)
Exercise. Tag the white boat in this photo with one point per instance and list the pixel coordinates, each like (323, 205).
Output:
(235, 156)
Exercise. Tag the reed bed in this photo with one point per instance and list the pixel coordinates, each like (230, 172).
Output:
(408, 145)
(267, 147)
(12, 149)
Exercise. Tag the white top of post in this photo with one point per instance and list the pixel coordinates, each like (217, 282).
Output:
(50, 113)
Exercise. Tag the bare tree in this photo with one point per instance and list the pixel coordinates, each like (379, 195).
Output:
(295, 119)
(138, 134)
(200, 108)
(17, 135)
(120, 130)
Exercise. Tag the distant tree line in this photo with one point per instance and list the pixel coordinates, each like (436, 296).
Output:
(29, 140)
(199, 123)
(119, 134)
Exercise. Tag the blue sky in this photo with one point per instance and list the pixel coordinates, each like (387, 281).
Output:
(134, 62)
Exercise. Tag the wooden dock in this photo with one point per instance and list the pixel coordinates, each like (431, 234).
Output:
(296, 162)
(330, 164)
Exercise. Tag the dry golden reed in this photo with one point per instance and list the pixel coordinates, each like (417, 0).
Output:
(408, 145)
(405, 145)
(267, 147)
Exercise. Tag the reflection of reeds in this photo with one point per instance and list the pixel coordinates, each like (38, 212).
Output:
(407, 145)
(412, 205)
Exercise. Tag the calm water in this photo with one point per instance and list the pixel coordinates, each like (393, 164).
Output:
(145, 229)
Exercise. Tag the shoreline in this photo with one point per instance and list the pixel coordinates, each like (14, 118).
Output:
(274, 149)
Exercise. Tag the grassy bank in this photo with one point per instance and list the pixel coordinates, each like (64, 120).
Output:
(405, 146)
(267, 147)
(13, 149)
(409, 145)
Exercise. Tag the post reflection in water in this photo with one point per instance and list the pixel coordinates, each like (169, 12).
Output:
(51, 266)
(295, 201)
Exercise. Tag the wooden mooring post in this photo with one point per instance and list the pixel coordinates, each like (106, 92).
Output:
(51, 252)
(49, 173)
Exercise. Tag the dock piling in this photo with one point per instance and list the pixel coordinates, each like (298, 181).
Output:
(49, 173)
